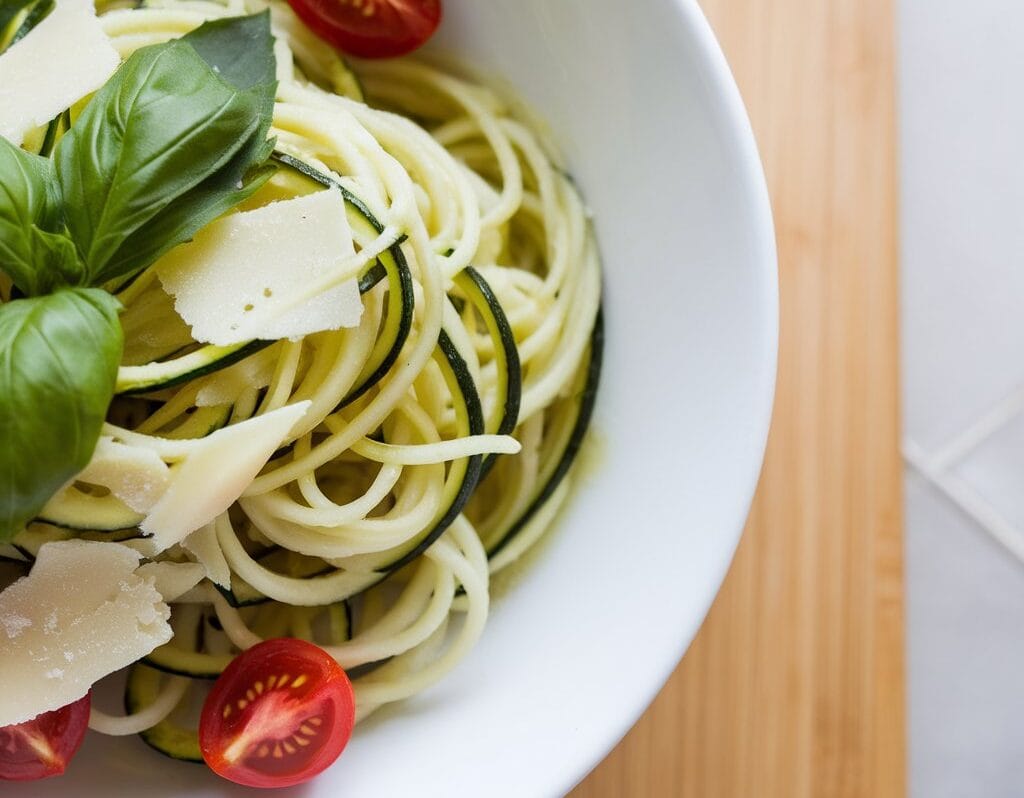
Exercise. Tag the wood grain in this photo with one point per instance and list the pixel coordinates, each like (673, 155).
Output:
(794, 687)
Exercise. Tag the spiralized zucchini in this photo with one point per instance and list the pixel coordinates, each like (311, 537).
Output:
(376, 531)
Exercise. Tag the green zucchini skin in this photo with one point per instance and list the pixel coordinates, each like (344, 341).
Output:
(80, 517)
(142, 385)
(37, 12)
(575, 442)
(471, 477)
(397, 269)
(194, 664)
(317, 176)
(392, 262)
(165, 737)
(28, 542)
(10, 12)
(11, 553)
(486, 302)
(57, 127)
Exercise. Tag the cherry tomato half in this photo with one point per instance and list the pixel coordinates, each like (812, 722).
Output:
(279, 714)
(371, 28)
(42, 747)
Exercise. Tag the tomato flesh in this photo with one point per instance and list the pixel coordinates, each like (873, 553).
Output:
(371, 28)
(43, 747)
(281, 713)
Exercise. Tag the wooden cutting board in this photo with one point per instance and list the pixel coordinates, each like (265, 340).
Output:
(794, 687)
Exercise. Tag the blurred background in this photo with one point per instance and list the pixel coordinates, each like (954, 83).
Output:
(869, 640)
(962, 178)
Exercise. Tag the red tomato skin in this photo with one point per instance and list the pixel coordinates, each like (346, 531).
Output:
(326, 695)
(396, 28)
(63, 730)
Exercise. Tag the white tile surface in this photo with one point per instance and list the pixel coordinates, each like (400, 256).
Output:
(963, 212)
(966, 658)
(962, 117)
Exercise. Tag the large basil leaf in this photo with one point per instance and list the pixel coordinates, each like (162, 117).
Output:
(57, 376)
(176, 138)
(240, 50)
(34, 254)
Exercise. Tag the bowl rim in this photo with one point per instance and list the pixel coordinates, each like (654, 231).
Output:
(751, 176)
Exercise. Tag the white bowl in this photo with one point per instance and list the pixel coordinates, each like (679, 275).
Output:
(641, 100)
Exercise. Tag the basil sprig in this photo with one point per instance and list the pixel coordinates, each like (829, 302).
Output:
(142, 170)
(177, 137)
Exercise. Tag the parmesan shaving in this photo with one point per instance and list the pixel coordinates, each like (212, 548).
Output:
(240, 278)
(66, 57)
(216, 472)
(82, 603)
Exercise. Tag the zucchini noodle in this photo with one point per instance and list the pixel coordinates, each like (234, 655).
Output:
(441, 429)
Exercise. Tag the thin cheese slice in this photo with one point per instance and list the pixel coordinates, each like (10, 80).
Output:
(216, 472)
(172, 579)
(136, 476)
(66, 57)
(225, 386)
(203, 545)
(242, 277)
(81, 614)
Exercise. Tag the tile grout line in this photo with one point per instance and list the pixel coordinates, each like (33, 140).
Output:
(964, 497)
(977, 433)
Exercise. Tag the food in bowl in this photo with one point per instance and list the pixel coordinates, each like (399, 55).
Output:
(299, 355)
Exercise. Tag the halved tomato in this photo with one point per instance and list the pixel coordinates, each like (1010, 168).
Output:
(279, 714)
(371, 28)
(42, 747)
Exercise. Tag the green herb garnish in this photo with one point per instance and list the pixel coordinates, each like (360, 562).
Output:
(176, 138)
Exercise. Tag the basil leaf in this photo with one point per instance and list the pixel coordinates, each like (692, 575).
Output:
(191, 213)
(57, 376)
(240, 50)
(157, 130)
(33, 252)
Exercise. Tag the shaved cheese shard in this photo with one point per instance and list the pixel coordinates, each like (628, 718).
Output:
(216, 472)
(64, 58)
(204, 546)
(225, 386)
(81, 614)
(136, 476)
(241, 277)
(172, 579)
